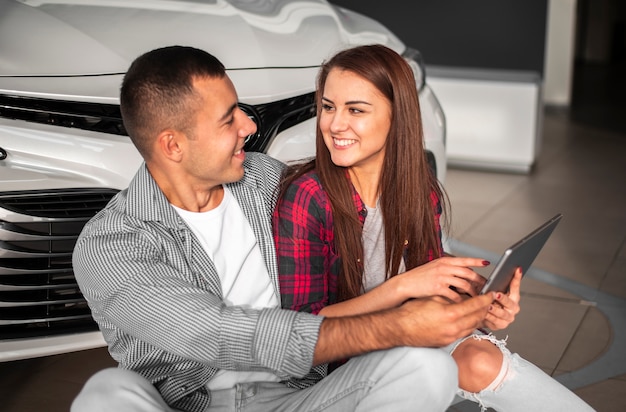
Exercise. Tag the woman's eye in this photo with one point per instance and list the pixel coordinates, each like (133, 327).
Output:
(326, 107)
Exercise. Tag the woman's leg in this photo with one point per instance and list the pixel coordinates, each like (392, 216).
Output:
(507, 382)
(479, 362)
(399, 379)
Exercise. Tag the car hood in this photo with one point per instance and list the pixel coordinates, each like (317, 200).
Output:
(79, 38)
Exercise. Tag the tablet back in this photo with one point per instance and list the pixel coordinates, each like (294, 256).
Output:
(521, 254)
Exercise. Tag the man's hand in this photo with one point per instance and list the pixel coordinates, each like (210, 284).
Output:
(436, 322)
(429, 322)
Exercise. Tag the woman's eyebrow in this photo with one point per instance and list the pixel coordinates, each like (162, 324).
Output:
(348, 102)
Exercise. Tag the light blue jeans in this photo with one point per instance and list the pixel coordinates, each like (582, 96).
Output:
(521, 386)
(400, 379)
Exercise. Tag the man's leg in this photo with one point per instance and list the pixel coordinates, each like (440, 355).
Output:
(114, 389)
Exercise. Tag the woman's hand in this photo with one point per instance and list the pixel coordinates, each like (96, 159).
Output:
(448, 277)
(503, 310)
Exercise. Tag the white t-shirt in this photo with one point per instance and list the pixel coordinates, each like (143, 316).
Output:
(227, 237)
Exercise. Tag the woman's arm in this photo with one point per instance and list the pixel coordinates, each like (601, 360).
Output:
(431, 279)
(308, 265)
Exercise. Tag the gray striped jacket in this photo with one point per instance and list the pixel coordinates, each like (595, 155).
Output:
(157, 298)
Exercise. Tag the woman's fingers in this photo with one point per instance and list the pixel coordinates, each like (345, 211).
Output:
(450, 277)
(461, 286)
(515, 285)
(503, 311)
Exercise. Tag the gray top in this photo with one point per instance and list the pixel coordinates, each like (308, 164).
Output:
(374, 249)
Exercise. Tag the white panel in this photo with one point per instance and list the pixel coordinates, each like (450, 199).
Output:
(490, 124)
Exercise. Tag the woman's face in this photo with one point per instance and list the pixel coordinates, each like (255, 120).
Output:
(355, 119)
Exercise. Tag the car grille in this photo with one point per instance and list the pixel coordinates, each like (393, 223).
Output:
(270, 118)
(96, 117)
(38, 292)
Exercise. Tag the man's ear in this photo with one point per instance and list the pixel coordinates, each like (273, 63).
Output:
(169, 143)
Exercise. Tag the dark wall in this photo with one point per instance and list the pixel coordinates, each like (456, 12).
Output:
(491, 34)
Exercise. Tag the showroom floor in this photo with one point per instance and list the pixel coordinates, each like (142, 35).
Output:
(573, 318)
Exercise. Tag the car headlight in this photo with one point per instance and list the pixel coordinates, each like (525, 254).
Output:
(415, 60)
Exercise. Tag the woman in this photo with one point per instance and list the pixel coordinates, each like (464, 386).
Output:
(357, 229)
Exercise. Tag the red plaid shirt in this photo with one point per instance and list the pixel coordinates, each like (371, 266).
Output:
(308, 264)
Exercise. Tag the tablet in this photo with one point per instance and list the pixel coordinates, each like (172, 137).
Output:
(521, 254)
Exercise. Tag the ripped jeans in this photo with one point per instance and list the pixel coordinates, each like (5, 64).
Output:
(520, 385)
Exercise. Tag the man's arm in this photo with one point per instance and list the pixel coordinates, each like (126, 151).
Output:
(417, 323)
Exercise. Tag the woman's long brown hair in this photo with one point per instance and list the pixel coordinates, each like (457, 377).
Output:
(407, 180)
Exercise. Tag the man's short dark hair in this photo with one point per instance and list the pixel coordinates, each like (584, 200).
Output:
(157, 92)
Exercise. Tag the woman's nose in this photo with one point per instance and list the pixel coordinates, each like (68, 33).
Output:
(338, 122)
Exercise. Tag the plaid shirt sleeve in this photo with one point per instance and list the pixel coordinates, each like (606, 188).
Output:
(307, 261)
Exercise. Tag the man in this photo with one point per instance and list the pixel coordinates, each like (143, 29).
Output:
(179, 271)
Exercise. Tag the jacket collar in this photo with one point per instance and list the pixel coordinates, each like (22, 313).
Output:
(147, 201)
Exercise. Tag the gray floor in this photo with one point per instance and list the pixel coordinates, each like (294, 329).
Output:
(573, 319)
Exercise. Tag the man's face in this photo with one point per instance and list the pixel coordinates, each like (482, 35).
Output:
(214, 153)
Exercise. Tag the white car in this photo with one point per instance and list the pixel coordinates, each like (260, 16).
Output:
(63, 149)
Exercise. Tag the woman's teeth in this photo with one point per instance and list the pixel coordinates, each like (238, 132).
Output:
(344, 142)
